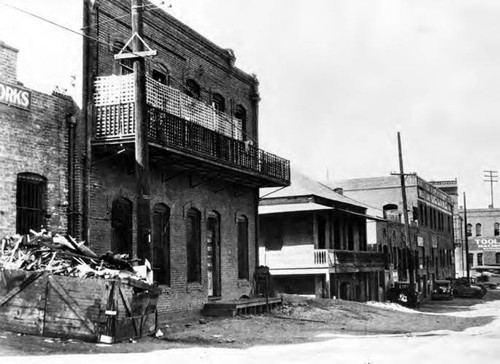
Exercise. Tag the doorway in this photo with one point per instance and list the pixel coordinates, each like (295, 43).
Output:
(213, 256)
(121, 223)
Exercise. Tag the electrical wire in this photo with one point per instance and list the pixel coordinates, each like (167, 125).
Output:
(146, 6)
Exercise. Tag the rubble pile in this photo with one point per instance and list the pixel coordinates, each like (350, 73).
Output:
(62, 255)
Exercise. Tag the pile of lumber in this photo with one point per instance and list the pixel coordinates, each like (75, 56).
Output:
(62, 255)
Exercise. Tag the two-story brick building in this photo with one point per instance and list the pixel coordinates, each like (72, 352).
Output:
(36, 146)
(205, 166)
(483, 235)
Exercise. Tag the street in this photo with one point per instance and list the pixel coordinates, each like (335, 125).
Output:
(474, 345)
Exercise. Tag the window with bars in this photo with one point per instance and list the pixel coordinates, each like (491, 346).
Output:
(31, 196)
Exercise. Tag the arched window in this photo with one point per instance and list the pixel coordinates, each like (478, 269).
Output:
(243, 270)
(496, 229)
(161, 75)
(193, 89)
(193, 245)
(240, 113)
(479, 258)
(121, 224)
(218, 102)
(478, 229)
(160, 231)
(469, 229)
(31, 197)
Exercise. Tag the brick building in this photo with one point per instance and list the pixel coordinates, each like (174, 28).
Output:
(483, 233)
(430, 213)
(314, 241)
(36, 136)
(205, 167)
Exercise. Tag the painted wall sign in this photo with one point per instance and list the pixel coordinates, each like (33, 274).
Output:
(488, 244)
(15, 96)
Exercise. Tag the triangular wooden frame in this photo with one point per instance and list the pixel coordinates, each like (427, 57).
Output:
(147, 53)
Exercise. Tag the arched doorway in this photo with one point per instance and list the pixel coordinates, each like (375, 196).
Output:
(161, 243)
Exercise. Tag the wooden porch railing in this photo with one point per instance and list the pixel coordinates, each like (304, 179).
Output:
(321, 258)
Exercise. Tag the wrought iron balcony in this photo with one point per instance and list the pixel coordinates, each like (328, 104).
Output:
(186, 128)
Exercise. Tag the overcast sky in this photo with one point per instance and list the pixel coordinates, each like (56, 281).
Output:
(338, 78)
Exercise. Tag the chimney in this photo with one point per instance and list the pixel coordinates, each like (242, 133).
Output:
(8, 63)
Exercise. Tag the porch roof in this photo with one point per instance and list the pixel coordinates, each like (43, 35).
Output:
(307, 206)
(291, 207)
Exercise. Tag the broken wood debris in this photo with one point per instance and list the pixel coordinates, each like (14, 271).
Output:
(62, 255)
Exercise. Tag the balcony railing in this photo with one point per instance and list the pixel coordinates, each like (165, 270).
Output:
(342, 260)
(119, 90)
(212, 140)
(317, 258)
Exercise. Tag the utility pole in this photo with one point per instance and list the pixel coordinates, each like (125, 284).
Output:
(144, 250)
(491, 176)
(411, 263)
(467, 263)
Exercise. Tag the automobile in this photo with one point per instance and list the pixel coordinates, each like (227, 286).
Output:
(484, 279)
(462, 288)
(402, 294)
(442, 290)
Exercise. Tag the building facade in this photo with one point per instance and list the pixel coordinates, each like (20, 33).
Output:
(205, 168)
(36, 146)
(431, 241)
(314, 241)
(483, 235)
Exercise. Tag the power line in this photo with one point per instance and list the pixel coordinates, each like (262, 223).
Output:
(147, 7)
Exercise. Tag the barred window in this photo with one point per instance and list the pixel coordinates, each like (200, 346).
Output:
(31, 199)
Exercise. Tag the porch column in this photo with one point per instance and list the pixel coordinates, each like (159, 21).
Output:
(327, 286)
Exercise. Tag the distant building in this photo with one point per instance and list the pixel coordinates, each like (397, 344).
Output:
(483, 234)
(36, 144)
(430, 212)
(314, 242)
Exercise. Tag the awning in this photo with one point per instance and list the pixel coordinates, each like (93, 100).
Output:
(291, 207)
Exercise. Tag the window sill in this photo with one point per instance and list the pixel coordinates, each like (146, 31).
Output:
(194, 287)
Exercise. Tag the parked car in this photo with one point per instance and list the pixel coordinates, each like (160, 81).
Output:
(484, 279)
(442, 290)
(402, 294)
(462, 288)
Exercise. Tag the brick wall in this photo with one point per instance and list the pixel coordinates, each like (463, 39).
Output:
(110, 180)
(33, 141)
(8, 63)
(184, 53)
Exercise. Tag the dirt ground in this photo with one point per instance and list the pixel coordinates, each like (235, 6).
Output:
(299, 320)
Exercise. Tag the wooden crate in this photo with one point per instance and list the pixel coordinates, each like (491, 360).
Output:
(39, 303)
